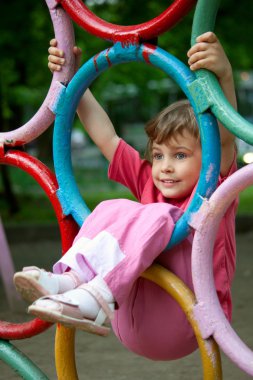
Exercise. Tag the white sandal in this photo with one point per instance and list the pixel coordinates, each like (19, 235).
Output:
(33, 283)
(67, 312)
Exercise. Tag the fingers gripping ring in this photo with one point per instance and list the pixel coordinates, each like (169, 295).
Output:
(68, 192)
(208, 310)
(213, 97)
(143, 32)
(45, 115)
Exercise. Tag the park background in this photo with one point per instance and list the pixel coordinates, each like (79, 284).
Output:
(131, 93)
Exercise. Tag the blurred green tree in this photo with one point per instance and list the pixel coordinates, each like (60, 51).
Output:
(26, 29)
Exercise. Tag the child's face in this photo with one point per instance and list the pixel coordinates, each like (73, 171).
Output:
(176, 165)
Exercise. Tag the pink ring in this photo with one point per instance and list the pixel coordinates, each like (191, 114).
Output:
(208, 312)
(45, 115)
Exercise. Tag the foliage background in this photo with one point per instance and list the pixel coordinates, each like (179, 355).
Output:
(25, 31)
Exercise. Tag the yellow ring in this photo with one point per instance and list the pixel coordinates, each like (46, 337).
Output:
(209, 349)
(65, 362)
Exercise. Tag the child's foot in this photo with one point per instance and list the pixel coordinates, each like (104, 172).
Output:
(33, 283)
(87, 307)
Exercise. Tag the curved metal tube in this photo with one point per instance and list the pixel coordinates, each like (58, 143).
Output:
(208, 311)
(45, 115)
(68, 193)
(209, 350)
(19, 362)
(125, 34)
(68, 230)
(207, 83)
(65, 353)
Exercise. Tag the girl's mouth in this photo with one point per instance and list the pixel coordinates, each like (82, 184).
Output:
(169, 182)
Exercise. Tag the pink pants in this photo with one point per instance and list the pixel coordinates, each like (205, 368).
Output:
(119, 241)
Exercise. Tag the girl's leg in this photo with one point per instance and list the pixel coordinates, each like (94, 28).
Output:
(88, 307)
(121, 239)
(151, 324)
(124, 241)
(131, 239)
(33, 283)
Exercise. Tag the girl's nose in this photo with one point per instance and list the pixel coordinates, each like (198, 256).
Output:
(167, 167)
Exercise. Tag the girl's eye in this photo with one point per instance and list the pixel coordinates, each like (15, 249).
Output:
(157, 156)
(180, 156)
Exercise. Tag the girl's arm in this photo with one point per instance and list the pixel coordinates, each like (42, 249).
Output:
(208, 54)
(98, 125)
(93, 117)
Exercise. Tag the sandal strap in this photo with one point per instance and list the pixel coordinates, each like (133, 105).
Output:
(42, 280)
(106, 307)
(27, 269)
(105, 312)
(74, 277)
(71, 309)
(59, 298)
(102, 316)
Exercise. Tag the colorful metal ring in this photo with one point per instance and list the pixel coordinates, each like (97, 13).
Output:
(68, 193)
(79, 12)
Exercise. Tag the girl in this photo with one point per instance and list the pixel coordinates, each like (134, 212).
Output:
(99, 277)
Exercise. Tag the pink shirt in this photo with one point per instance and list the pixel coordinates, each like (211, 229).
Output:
(131, 171)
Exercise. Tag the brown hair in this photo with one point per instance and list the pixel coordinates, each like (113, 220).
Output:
(174, 119)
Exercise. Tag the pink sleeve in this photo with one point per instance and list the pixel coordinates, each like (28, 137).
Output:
(129, 169)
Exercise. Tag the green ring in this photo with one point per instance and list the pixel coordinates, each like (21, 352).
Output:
(204, 21)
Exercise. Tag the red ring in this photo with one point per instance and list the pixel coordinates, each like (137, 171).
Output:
(79, 12)
(68, 230)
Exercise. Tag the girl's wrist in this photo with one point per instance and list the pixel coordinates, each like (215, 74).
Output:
(227, 75)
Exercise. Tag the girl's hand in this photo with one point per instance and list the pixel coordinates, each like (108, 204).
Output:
(208, 54)
(56, 57)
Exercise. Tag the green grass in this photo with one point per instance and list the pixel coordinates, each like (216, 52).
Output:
(37, 209)
(246, 202)
(34, 206)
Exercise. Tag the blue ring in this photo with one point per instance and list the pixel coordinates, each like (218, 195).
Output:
(68, 193)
